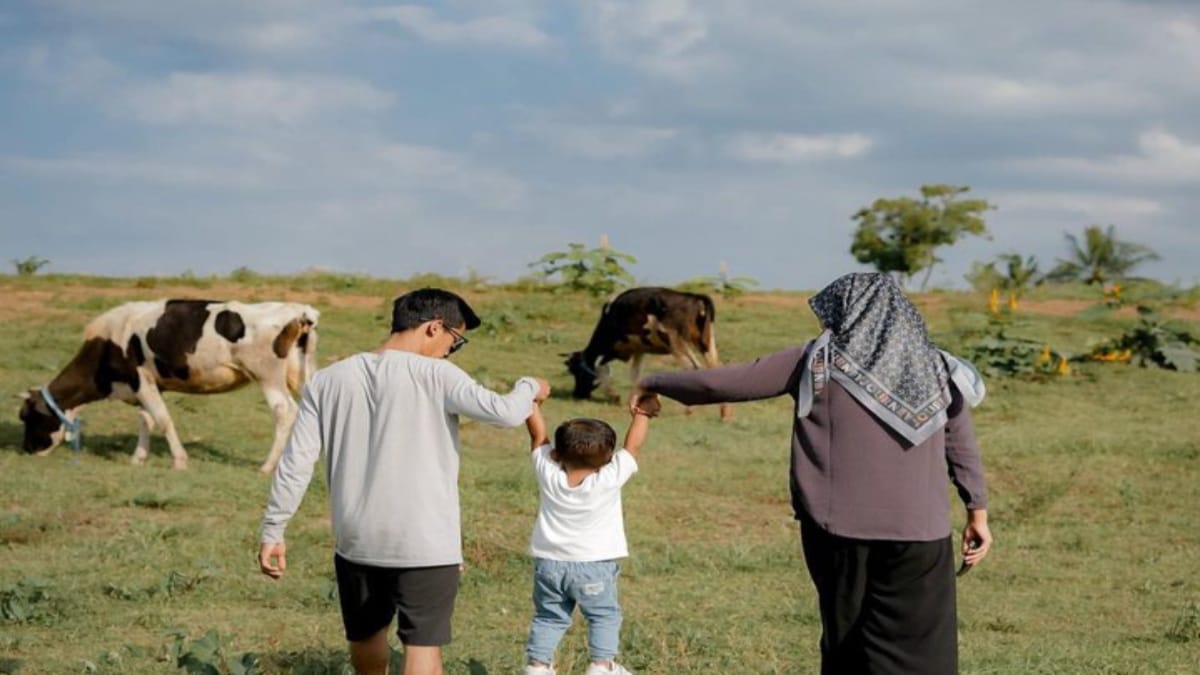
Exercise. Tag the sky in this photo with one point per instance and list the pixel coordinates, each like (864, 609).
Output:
(145, 137)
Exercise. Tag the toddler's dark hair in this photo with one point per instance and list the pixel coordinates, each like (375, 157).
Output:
(584, 443)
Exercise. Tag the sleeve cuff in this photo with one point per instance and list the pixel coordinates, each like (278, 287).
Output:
(533, 385)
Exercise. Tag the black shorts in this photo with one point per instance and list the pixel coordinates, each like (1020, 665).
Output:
(421, 598)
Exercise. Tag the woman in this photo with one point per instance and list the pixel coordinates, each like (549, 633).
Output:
(881, 415)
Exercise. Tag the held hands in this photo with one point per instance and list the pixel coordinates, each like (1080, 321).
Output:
(269, 552)
(645, 404)
(543, 391)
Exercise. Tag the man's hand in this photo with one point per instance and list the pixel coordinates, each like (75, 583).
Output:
(267, 553)
(536, 424)
(543, 392)
(976, 538)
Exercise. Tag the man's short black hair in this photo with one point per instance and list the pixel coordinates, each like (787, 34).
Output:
(584, 443)
(416, 307)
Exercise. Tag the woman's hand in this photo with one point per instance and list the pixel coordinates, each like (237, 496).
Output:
(976, 538)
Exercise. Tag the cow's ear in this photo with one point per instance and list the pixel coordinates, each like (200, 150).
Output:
(24, 396)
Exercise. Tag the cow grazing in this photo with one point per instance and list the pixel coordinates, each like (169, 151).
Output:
(644, 321)
(138, 350)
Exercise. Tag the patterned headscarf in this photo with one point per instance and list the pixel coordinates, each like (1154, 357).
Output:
(876, 346)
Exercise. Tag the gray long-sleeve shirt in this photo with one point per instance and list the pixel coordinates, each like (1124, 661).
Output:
(389, 425)
(851, 474)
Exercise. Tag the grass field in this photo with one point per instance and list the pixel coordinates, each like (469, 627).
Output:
(1095, 484)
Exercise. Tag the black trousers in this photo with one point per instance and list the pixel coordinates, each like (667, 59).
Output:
(887, 607)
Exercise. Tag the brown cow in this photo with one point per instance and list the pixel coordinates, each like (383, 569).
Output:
(642, 321)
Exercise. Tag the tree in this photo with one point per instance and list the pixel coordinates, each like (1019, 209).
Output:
(900, 235)
(1100, 257)
(1017, 274)
(29, 266)
(598, 271)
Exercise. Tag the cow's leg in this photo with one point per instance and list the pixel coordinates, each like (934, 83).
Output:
(284, 409)
(145, 425)
(685, 357)
(712, 361)
(605, 381)
(153, 403)
(635, 373)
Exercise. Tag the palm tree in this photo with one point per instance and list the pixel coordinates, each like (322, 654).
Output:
(1020, 272)
(1100, 257)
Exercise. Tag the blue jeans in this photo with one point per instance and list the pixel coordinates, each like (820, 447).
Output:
(557, 588)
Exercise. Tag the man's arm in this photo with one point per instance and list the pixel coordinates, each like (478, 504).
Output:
(536, 424)
(289, 484)
(644, 407)
(465, 396)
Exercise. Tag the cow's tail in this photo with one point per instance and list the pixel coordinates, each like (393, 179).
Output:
(708, 336)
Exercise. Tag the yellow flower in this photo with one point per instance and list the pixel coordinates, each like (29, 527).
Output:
(1012, 301)
(1064, 368)
(1045, 357)
(994, 301)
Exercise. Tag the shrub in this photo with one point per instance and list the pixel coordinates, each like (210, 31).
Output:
(598, 271)
(722, 284)
(1165, 344)
(29, 266)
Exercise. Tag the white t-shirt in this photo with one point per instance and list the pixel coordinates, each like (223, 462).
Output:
(581, 523)
(389, 426)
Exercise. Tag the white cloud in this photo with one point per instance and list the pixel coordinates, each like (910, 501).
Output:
(986, 94)
(787, 148)
(1162, 158)
(116, 168)
(492, 31)
(662, 37)
(1086, 206)
(284, 36)
(249, 98)
(603, 141)
(74, 68)
(258, 165)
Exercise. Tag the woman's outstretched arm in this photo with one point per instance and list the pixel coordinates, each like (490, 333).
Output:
(765, 377)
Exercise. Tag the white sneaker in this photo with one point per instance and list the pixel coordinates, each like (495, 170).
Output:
(617, 669)
(539, 670)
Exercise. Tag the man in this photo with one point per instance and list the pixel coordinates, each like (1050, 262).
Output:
(388, 421)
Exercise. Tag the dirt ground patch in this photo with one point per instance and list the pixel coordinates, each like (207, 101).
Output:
(26, 303)
(1067, 307)
(774, 300)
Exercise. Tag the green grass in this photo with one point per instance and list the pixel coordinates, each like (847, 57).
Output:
(1095, 483)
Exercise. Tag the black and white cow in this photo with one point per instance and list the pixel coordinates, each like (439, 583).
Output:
(649, 320)
(138, 350)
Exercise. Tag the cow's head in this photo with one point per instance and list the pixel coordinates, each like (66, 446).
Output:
(43, 430)
(587, 376)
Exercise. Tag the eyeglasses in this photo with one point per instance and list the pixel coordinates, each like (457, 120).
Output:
(459, 340)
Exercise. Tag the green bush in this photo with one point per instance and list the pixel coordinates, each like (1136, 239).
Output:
(29, 266)
(598, 271)
(1166, 344)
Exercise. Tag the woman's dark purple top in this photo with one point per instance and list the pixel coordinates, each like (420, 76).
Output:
(850, 474)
